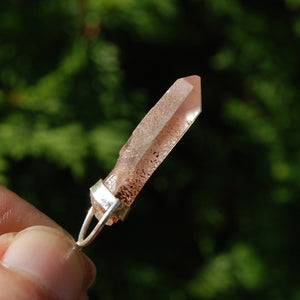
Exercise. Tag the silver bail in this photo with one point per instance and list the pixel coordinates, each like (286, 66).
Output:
(104, 206)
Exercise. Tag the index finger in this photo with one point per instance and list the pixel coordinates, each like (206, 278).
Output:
(16, 214)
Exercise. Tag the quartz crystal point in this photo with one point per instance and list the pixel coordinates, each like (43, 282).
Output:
(152, 140)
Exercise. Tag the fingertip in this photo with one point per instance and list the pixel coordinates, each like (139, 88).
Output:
(84, 296)
(91, 270)
(5, 241)
(47, 255)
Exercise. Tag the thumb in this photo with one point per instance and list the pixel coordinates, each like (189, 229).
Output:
(41, 263)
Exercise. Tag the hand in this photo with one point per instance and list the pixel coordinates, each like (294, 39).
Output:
(37, 257)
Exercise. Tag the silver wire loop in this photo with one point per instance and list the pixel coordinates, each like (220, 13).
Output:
(102, 200)
(82, 239)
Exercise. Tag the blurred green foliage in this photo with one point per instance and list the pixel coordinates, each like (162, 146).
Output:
(220, 218)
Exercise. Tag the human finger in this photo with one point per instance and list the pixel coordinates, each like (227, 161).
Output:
(16, 214)
(41, 263)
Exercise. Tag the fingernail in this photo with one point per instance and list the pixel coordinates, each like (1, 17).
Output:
(48, 256)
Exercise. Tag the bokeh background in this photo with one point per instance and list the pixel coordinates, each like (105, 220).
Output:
(220, 218)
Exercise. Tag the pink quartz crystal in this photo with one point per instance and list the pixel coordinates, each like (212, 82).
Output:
(153, 139)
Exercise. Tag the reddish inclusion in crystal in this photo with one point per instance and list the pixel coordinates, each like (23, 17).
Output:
(154, 138)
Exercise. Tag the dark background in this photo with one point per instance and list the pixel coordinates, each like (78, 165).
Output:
(220, 218)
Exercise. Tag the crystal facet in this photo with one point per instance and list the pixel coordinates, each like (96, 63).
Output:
(152, 140)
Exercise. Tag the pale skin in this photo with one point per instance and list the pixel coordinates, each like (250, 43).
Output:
(37, 257)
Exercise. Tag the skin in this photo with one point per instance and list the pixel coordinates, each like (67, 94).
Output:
(38, 259)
